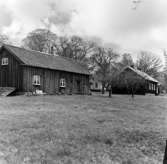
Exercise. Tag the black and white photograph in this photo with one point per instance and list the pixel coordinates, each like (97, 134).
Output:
(83, 82)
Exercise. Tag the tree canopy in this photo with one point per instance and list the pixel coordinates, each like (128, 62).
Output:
(4, 39)
(149, 64)
(102, 62)
(40, 40)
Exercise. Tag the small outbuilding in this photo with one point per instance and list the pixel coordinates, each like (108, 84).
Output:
(131, 78)
(29, 71)
(95, 84)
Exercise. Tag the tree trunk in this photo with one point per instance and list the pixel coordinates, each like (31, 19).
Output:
(110, 92)
(132, 92)
(103, 86)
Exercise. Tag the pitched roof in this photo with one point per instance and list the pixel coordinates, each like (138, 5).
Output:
(43, 60)
(142, 74)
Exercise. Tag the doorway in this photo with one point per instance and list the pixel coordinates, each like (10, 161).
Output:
(4, 78)
(78, 86)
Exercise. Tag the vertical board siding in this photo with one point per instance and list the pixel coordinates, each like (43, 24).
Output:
(50, 80)
(11, 74)
(20, 76)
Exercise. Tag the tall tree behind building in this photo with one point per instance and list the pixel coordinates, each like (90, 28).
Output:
(75, 47)
(149, 63)
(40, 40)
(4, 39)
(165, 57)
(126, 60)
(102, 61)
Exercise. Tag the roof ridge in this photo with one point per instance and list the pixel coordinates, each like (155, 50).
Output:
(144, 74)
(26, 49)
(68, 58)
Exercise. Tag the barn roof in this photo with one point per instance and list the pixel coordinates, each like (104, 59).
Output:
(142, 74)
(43, 60)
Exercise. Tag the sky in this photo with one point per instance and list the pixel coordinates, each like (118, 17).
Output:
(116, 22)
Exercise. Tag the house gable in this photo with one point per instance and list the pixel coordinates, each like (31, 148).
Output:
(10, 74)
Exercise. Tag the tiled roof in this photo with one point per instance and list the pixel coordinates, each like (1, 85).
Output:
(142, 74)
(38, 59)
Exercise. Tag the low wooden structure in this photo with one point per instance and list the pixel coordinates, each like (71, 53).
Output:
(29, 71)
(143, 83)
(95, 84)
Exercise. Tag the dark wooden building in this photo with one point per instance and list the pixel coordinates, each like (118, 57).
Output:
(28, 71)
(142, 83)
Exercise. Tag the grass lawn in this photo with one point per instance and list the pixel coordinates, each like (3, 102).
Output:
(82, 129)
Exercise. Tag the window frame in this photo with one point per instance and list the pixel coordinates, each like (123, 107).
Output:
(4, 61)
(96, 85)
(62, 82)
(36, 80)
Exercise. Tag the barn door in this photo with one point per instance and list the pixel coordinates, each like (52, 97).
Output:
(4, 78)
(78, 86)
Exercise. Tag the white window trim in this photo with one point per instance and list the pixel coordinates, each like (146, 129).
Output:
(4, 61)
(62, 82)
(36, 80)
(149, 86)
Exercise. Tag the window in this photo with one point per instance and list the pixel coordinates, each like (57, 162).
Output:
(150, 86)
(62, 82)
(36, 80)
(96, 85)
(4, 61)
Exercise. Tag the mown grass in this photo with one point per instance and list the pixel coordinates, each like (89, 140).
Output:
(83, 129)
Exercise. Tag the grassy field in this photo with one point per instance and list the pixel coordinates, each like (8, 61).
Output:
(82, 129)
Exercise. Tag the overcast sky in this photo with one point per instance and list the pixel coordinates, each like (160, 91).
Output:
(112, 20)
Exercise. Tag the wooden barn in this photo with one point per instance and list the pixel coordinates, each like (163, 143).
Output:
(142, 83)
(29, 71)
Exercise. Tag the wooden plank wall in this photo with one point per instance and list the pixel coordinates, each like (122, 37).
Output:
(11, 74)
(50, 81)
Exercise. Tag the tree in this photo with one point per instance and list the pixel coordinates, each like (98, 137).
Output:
(126, 60)
(165, 72)
(149, 64)
(40, 40)
(165, 57)
(133, 83)
(62, 47)
(102, 60)
(112, 79)
(74, 47)
(4, 39)
(130, 81)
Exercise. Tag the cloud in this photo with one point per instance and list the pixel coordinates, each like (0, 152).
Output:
(5, 17)
(59, 15)
(112, 20)
(149, 14)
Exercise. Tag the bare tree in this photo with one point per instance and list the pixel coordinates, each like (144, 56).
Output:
(75, 47)
(112, 79)
(102, 61)
(149, 64)
(165, 57)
